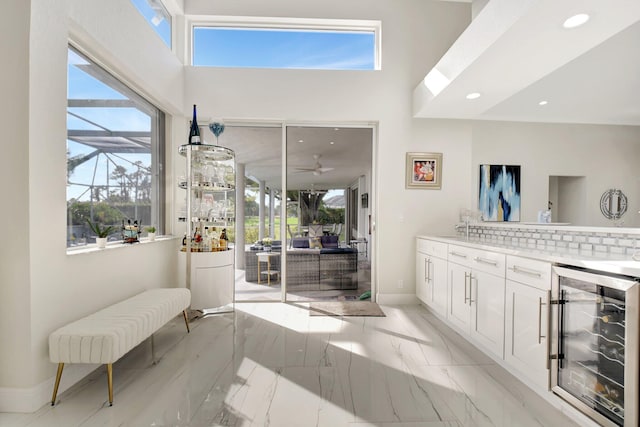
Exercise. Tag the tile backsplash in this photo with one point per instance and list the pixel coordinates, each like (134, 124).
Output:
(597, 239)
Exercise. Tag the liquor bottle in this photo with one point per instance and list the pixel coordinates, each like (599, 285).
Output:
(206, 240)
(215, 239)
(194, 131)
(224, 242)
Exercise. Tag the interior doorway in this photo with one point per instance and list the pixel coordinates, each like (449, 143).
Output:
(568, 199)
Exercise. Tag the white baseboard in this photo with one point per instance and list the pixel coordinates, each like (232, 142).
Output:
(397, 299)
(25, 400)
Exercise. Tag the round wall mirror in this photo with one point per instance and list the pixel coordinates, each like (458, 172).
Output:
(613, 204)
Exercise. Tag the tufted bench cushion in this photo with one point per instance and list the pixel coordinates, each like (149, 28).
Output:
(107, 335)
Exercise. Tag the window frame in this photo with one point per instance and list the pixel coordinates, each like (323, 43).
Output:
(308, 24)
(158, 139)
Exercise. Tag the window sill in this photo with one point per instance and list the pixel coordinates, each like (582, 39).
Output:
(92, 248)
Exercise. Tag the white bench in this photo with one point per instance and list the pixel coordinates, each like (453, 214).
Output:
(107, 335)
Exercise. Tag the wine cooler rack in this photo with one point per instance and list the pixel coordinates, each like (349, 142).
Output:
(592, 345)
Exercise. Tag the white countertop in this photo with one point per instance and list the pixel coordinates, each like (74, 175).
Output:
(603, 261)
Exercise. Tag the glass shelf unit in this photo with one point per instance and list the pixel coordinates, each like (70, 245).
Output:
(208, 260)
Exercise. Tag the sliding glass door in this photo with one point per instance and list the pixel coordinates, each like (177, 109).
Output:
(326, 260)
(258, 150)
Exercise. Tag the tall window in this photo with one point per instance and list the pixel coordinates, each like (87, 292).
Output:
(157, 16)
(281, 45)
(114, 154)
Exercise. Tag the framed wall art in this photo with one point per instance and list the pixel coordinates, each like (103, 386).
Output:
(499, 192)
(424, 170)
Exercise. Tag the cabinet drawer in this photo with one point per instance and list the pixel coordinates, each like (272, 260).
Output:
(460, 255)
(477, 259)
(433, 248)
(529, 271)
(489, 262)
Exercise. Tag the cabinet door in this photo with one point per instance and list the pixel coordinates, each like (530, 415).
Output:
(527, 317)
(438, 283)
(422, 291)
(487, 311)
(459, 310)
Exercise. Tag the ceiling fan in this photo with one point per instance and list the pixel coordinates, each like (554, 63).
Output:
(317, 168)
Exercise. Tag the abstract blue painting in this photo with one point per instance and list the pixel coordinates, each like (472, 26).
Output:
(499, 195)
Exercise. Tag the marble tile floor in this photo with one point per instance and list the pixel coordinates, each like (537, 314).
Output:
(271, 364)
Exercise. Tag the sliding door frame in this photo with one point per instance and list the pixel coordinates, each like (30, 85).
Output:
(373, 200)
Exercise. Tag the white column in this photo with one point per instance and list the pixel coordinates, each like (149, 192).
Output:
(261, 211)
(240, 180)
(272, 213)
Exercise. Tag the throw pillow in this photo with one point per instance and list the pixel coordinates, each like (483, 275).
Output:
(300, 242)
(329, 241)
(314, 243)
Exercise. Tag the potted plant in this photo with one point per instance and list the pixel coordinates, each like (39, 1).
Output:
(151, 233)
(101, 232)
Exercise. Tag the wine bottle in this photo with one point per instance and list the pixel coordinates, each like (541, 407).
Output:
(194, 131)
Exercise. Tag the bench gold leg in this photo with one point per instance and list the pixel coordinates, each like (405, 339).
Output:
(186, 320)
(55, 387)
(110, 382)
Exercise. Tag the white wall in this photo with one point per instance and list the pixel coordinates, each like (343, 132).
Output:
(43, 287)
(15, 311)
(606, 155)
(415, 34)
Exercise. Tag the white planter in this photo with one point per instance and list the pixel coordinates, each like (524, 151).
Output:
(101, 242)
(152, 236)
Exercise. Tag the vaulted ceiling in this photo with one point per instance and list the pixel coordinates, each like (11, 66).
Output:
(516, 54)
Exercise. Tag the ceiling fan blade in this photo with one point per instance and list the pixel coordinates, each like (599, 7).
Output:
(322, 170)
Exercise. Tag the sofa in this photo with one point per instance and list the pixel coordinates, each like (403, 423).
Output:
(327, 267)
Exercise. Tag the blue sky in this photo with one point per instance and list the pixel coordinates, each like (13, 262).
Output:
(266, 48)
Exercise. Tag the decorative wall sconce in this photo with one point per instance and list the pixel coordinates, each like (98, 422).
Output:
(613, 204)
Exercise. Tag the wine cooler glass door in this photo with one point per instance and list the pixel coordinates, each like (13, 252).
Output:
(595, 334)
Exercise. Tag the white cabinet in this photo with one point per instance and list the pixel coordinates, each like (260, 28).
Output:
(210, 279)
(459, 312)
(431, 274)
(527, 316)
(476, 295)
(487, 310)
(422, 284)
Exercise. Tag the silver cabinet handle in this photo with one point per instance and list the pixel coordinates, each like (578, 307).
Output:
(428, 260)
(540, 336)
(465, 286)
(518, 269)
(471, 301)
(486, 261)
(458, 254)
(425, 270)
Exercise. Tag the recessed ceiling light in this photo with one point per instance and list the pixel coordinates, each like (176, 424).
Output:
(543, 103)
(300, 140)
(336, 128)
(576, 20)
(474, 95)
(331, 142)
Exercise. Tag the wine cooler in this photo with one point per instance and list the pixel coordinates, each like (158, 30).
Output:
(594, 346)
